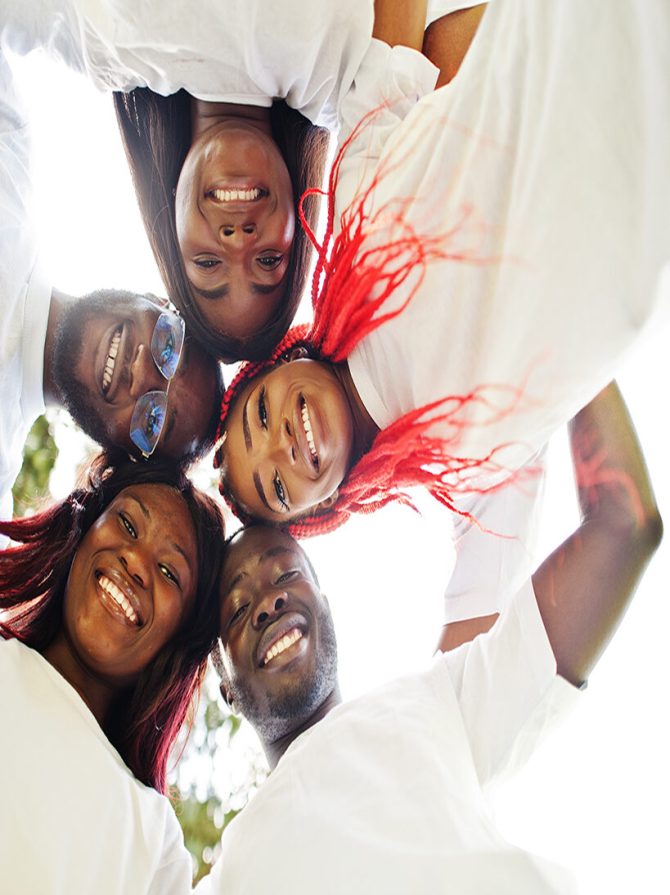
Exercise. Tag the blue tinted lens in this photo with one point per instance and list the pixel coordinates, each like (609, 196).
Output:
(147, 421)
(167, 342)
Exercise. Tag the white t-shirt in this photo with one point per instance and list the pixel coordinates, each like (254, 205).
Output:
(241, 51)
(25, 294)
(547, 162)
(73, 817)
(385, 794)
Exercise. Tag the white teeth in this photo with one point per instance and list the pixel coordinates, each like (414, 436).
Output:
(283, 644)
(236, 195)
(307, 423)
(119, 597)
(108, 372)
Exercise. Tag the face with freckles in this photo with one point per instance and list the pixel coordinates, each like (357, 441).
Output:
(235, 220)
(289, 440)
(277, 633)
(103, 364)
(132, 583)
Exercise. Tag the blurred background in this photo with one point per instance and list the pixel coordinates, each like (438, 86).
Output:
(595, 797)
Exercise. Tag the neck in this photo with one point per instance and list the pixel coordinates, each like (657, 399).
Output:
(274, 751)
(97, 695)
(365, 428)
(56, 310)
(205, 115)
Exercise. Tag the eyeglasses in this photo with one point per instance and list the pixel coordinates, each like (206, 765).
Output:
(148, 417)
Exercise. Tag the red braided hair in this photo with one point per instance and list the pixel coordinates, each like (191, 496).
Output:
(356, 272)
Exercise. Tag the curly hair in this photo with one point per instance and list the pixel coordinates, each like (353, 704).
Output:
(144, 724)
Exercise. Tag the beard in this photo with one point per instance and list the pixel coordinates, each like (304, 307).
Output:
(283, 712)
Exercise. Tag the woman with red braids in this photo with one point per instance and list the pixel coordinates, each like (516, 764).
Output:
(109, 604)
(501, 255)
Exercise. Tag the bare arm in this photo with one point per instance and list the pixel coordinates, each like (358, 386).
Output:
(447, 40)
(584, 587)
(400, 22)
(456, 633)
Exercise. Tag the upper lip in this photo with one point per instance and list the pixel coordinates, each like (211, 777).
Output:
(276, 630)
(124, 585)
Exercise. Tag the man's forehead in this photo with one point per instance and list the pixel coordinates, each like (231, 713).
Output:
(252, 547)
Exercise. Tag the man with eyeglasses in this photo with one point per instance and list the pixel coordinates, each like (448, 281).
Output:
(121, 363)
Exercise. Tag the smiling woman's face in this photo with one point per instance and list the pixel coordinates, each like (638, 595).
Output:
(235, 221)
(132, 583)
(289, 441)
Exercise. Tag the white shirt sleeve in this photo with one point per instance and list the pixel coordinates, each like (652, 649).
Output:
(388, 84)
(495, 554)
(507, 687)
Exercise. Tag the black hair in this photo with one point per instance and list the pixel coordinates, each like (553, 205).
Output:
(156, 132)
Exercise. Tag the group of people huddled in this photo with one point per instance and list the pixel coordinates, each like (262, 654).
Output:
(487, 247)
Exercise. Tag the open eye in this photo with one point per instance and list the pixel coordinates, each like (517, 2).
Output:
(287, 576)
(128, 525)
(262, 409)
(279, 491)
(169, 574)
(206, 263)
(237, 615)
(270, 262)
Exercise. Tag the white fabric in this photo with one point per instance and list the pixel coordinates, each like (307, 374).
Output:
(242, 51)
(25, 294)
(73, 818)
(547, 161)
(496, 554)
(385, 794)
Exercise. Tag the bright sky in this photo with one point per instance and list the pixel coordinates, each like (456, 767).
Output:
(596, 797)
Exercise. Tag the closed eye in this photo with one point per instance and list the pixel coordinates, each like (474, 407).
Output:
(287, 576)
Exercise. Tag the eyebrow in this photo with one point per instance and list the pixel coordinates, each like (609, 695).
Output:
(267, 554)
(248, 443)
(223, 291)
(147, 516)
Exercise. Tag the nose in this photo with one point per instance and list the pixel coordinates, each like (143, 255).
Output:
(144, 374)
(234, 234)
(283, 448)
(136, 565)
(269, 606)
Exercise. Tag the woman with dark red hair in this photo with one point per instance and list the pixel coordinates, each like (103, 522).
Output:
(109, 609)
(502, 252)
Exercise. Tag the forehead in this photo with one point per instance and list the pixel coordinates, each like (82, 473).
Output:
(252, 548)
(162, 508)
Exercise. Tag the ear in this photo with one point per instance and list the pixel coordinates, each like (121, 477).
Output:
(328, 502)
(296, 353)
(226, 694)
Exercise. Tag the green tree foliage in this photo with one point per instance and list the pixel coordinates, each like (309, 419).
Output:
(207, 798)
(39, 455)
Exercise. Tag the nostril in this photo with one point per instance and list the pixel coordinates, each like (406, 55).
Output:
(279, 602)
(249, 228)
(262, 617)
(228, 231)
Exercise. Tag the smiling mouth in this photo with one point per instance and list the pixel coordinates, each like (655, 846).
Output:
(307, 425)
(117, 596)
(110, 362)
(251, 195)
(293, 636)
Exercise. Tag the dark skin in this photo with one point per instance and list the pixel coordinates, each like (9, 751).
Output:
(584, 587)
